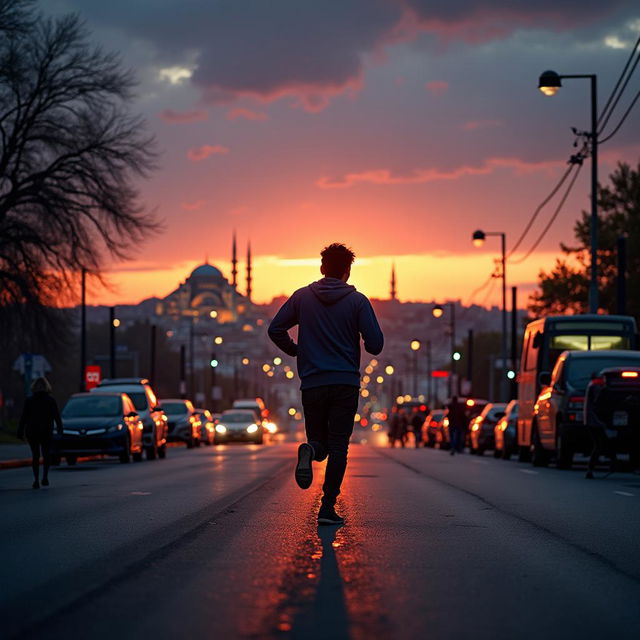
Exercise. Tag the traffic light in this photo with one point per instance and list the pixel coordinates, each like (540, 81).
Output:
(213, 362)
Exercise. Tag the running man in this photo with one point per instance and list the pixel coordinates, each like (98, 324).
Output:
(331, 316)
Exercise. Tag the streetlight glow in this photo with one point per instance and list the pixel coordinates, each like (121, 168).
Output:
(415, 345)
(478, 238)
(245, 361)
(218, 340)
(437, 311)
(116, 322)
(277, 360)
(389, 370)
(213, 314)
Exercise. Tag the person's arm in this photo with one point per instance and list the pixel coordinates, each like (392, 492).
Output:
(286, 318)
(56, 416)
(370, 329)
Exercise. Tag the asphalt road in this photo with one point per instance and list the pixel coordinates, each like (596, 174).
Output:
(220, 543)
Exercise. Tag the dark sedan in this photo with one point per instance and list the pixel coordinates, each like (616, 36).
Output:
(99, 423)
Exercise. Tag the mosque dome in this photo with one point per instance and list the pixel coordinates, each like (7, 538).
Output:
(206, 270)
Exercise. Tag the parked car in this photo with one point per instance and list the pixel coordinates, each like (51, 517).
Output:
(481, 427)
(183, 421)
(239, 424)
(207, 426)
(505, 433)
(558, 415)
(147, 405)
(432, 432)
(612, 413)
(99, 423)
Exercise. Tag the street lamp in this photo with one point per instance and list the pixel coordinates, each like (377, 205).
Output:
(437, 312)
(478, 239)
(549, 83)
(415, 346)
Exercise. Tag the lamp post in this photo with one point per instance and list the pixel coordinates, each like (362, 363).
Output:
(478, 239)
(437, 312)
(415, 346)
(549, 83)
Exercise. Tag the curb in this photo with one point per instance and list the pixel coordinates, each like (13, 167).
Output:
(26, 462)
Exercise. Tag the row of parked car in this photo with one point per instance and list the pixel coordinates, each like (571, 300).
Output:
(123, 417)
(586, 391)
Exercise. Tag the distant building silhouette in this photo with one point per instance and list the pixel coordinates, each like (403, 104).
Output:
(234, 263)
(393, 281)
(249, 279)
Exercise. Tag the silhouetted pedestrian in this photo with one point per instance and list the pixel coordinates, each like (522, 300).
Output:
(457, 417)
(39, 414)
(417, 420)
(332, 316)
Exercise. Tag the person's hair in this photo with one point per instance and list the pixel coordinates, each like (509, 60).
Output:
(336, 260)
(40, 384)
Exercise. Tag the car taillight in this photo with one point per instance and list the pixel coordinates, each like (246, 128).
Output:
(576, 402)
(629, 374)
(597, 380)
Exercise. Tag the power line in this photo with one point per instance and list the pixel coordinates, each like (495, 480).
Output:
(606, 111)
(479, 289)
(624, 117)
(552, 219)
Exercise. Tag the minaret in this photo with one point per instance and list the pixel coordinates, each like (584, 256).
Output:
(234, 263)
(249, 271)
(393, 281)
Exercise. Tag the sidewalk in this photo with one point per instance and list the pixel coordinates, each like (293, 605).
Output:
(14, 455)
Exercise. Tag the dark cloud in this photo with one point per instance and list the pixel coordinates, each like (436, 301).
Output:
(315, 49)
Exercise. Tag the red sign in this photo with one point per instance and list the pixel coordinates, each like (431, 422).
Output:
(439, 374)
(92, 376)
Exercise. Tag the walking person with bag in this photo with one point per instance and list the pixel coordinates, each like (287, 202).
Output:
(39, 415)
(332, 317)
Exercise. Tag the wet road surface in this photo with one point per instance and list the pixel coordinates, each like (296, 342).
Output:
(219, 542)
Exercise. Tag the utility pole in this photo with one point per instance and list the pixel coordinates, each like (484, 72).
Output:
(621, 276)
(470, 361)
(183, 371)
(83, 329)
(514, 340)
(152, 367)
(112, 342)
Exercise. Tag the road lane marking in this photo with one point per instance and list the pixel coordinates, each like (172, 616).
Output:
(625, 493)
(140, 493)
(531, 472)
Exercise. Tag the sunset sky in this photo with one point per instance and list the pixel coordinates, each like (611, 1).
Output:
(395, 126)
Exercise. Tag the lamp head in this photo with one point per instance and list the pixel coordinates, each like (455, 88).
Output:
(549, 83)
(437, 311)
(478, 238)
(415, 345)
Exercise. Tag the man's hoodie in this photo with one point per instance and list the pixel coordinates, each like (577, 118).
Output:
(332, 316)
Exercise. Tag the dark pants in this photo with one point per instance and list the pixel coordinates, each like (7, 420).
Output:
(38, 446)
(328, 415)
(457, 436)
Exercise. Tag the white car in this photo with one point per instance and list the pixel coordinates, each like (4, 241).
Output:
(239, 424)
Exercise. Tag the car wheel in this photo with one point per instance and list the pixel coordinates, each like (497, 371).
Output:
(497, 453)
(506, 453)
(260, 440)
(564, 453)
(196, 442)
(480, 451)
(162, 452)
(71, 460)
(189, 443)
(539, 456)
(125, 456)
(152, 452)
(137, 457)
(524, 453)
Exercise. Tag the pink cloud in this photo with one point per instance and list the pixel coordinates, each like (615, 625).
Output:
(422, 176)
(183, 117)
(196, 205)
(437, 87)
(246, 114)
(201, 153)
(472, 125)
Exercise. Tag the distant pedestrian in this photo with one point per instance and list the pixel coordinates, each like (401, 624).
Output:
(457, 417)
(403, 427)
(417, 420)
(39, 415)
(331, 316)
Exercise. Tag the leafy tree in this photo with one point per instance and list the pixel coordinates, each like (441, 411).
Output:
(564, 289)
(70, 154)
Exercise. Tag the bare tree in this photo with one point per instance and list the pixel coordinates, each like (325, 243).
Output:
(70, 155)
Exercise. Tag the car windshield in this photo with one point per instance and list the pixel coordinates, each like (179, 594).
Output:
(238, 416)
(139, 399)
(175, 408)
(490, 411)
(93, 406)
(579, 370)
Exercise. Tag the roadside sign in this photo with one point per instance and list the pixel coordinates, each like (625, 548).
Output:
(92, 376)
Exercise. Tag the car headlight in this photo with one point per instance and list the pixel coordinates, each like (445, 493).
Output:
(115, 427)
(252, 428)
(271, 427)
(220, 428)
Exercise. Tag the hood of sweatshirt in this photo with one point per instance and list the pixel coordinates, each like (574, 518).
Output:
(331, 290)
